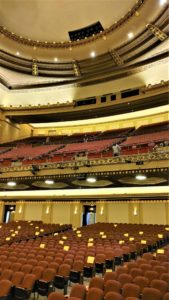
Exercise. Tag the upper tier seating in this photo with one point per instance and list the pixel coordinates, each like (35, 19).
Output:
(27, 151)
(145, 129)
(146, 138)
(95, 146)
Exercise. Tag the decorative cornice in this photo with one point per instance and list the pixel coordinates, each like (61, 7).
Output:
(68, 44)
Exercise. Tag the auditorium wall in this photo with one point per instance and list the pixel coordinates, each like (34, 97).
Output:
(156, 212)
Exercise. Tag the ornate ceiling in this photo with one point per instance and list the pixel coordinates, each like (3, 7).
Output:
(34, 40)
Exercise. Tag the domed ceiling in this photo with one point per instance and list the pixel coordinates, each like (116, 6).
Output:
(34, 39)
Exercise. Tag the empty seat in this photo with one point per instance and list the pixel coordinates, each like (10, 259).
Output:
(151, 275)
(130, 290)
(5, 288)
(56, 296)
(78, 292)
(141, 281)
(113, 296)
(165, 277)
(17, 278)
(76, 274)
(112, 286)
(151, 294)
(24, 290)
(61, 279)
(95, 294)
(136, 272)
(96, 282)
(45, 283)
(125, 278)
(160, 285)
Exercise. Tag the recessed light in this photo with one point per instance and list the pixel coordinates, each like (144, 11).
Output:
(162, 2)
(140, 177)
(55, 59)
(11, 183)
(17, 53)
(130, 35)
(93, 54)
(91, 179)
(49, 181)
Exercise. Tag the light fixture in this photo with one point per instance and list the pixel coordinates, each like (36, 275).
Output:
(140, 177)
(49, 181)
(55, 59)
(91, 179)
(162, 2)
(93, 54)
(11, 183)
(130, 35)
(17, 53)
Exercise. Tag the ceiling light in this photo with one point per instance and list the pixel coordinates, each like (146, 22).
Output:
(140, 177)
(91, 179)
(49, 181)
(17, 53)
(130, 35)
(11, 183)
(162, 2)
(93, 54)
(55, 59)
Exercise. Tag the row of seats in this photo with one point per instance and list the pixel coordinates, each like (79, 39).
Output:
(67, 256)
(21, 230)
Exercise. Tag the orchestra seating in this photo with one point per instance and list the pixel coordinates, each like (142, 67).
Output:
(23, 230)
(132, 260)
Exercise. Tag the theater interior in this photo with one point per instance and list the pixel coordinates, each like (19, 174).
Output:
(84, 150)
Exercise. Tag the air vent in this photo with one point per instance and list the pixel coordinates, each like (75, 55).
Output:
(129, 93)
(103, 99)
(113, 97)
(85, 32)
(86, 102)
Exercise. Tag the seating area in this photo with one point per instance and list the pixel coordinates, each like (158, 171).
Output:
(23, 230)
(96, 145)
(125, 259)
(27, 151)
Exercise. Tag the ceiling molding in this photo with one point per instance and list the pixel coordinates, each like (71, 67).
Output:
(69, 44)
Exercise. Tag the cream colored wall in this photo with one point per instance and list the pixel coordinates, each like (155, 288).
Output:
(154, 213)
(71, 213)
(61, 213)
(1, 211)
(62, 95)
(11, 132)
(118, 212)
(33, 211)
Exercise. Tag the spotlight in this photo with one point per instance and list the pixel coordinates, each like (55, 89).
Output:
(91, 179)
(93, 54)
(11, 183)
(140, 177)
(49, 181)
(130, 35)
(162, 2)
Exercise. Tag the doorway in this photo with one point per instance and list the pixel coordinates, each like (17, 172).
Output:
(89, 215)
(9, 213)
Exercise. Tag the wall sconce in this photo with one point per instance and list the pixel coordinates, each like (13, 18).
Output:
(135, 213)
(75, 211)
(47, 210)
(20, 209)
(102, 210)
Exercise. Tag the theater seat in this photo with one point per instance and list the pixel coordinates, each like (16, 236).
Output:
(5, 288)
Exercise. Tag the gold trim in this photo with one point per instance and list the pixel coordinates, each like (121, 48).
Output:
(62, 45)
